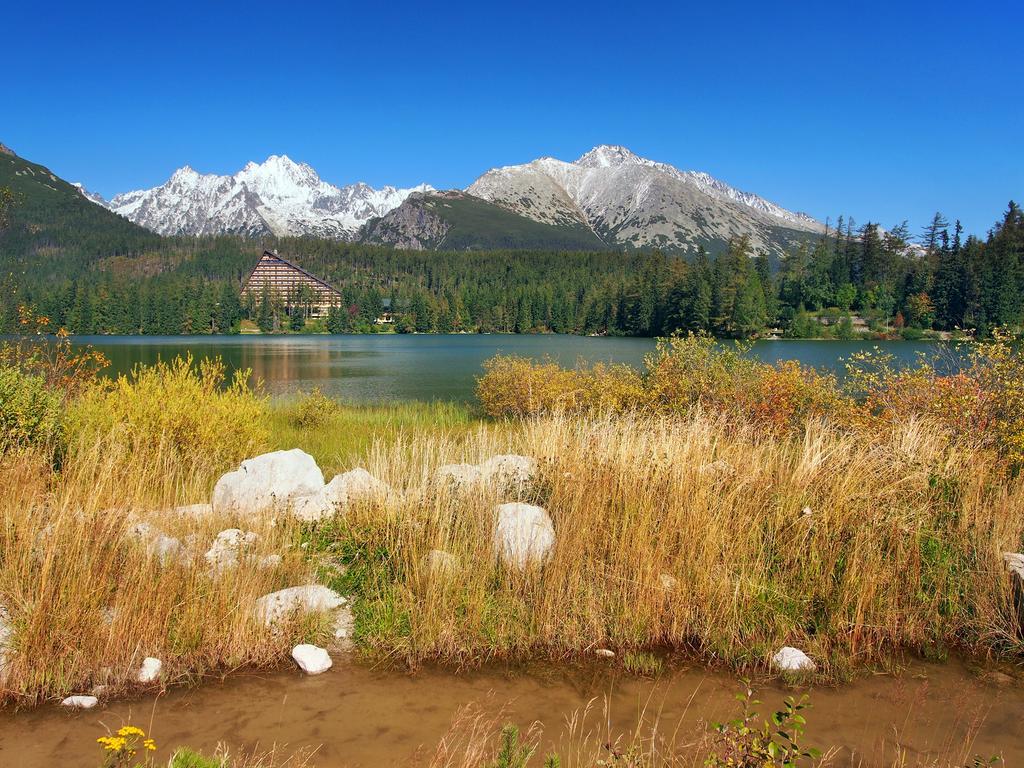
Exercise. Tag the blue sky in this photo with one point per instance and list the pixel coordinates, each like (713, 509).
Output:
(882, 111)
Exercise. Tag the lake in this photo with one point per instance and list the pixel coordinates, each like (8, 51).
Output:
(392, 367)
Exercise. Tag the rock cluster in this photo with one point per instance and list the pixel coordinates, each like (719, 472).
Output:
(289, 482)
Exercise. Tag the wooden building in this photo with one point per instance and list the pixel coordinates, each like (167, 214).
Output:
(290, 285)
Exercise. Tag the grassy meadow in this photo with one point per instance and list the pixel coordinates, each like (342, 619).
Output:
(708, 504)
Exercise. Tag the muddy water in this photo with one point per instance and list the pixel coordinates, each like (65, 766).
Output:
(361, 717)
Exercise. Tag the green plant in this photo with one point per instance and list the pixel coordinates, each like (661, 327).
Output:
(313, 410)
(642, 663)
(512, 753)
(184, 757)
(30, 413)
(775, 743)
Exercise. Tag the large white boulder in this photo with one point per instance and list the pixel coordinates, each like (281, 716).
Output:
(150, 670)
(267, 484)
(311, 659)
(790, 659)
(523, 534)
(80, 702)
(277, 606)
(225, 550)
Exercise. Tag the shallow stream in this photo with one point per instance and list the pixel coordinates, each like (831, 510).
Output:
(357, 716)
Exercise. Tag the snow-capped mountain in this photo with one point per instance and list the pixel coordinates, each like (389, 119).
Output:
(632, 202)
(278, 196)
(91, 196)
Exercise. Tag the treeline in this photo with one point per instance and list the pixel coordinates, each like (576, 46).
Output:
(850, 280)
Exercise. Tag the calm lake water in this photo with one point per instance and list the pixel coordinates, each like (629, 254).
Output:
(392, 367)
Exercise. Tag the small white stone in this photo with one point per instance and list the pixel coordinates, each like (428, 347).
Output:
(459, 476)
(6, 637)
(668, 581)
(344, 627)
(194, 511)
(224, 551)
(604, 653)
(806, 512)
(150, 670)
(790, 659)
(80, 702)
(269, 561)
(311, 659)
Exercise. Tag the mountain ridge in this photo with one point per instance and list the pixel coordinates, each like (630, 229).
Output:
(624, 202)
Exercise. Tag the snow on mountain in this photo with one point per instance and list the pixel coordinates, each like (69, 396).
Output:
(92, 196)
(278, 196)
(630, 201)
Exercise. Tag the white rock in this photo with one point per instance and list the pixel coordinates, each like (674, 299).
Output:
(270, 561)
(159, 544)
(313, 507)
(150, 670)
(272, 608)
(344, 627)
(1015, 562)
(668, 581)
(793, 660)
(267, 484)
(80, 702)
(224, 551)
(523, 534)
(311, 659)
(806, 512)
(441, 564)
(194, 511)
(721, 468)
(352, 486)
(510, 471)
(6, 638)
(604, 653)
(459, 476)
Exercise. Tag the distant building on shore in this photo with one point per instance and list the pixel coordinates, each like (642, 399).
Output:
(289, 284)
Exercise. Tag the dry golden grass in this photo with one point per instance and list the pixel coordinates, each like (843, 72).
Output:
(901, 550)
(88, 600)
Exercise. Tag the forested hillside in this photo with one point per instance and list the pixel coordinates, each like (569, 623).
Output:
(91, 271)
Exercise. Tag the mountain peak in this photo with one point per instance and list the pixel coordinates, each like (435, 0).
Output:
(608, 156)
(5, 150)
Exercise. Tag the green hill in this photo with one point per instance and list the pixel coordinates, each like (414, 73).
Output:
(53, 228)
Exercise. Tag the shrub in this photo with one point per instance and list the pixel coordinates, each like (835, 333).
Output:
(684, 373)
(312, 410)
(30, 413)
(179, 414)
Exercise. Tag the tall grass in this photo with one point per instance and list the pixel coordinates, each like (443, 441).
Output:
(899, 550)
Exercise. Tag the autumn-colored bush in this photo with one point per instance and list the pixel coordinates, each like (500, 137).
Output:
(981, 403)
(518, 387)
(185, 415)
(683, 374)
